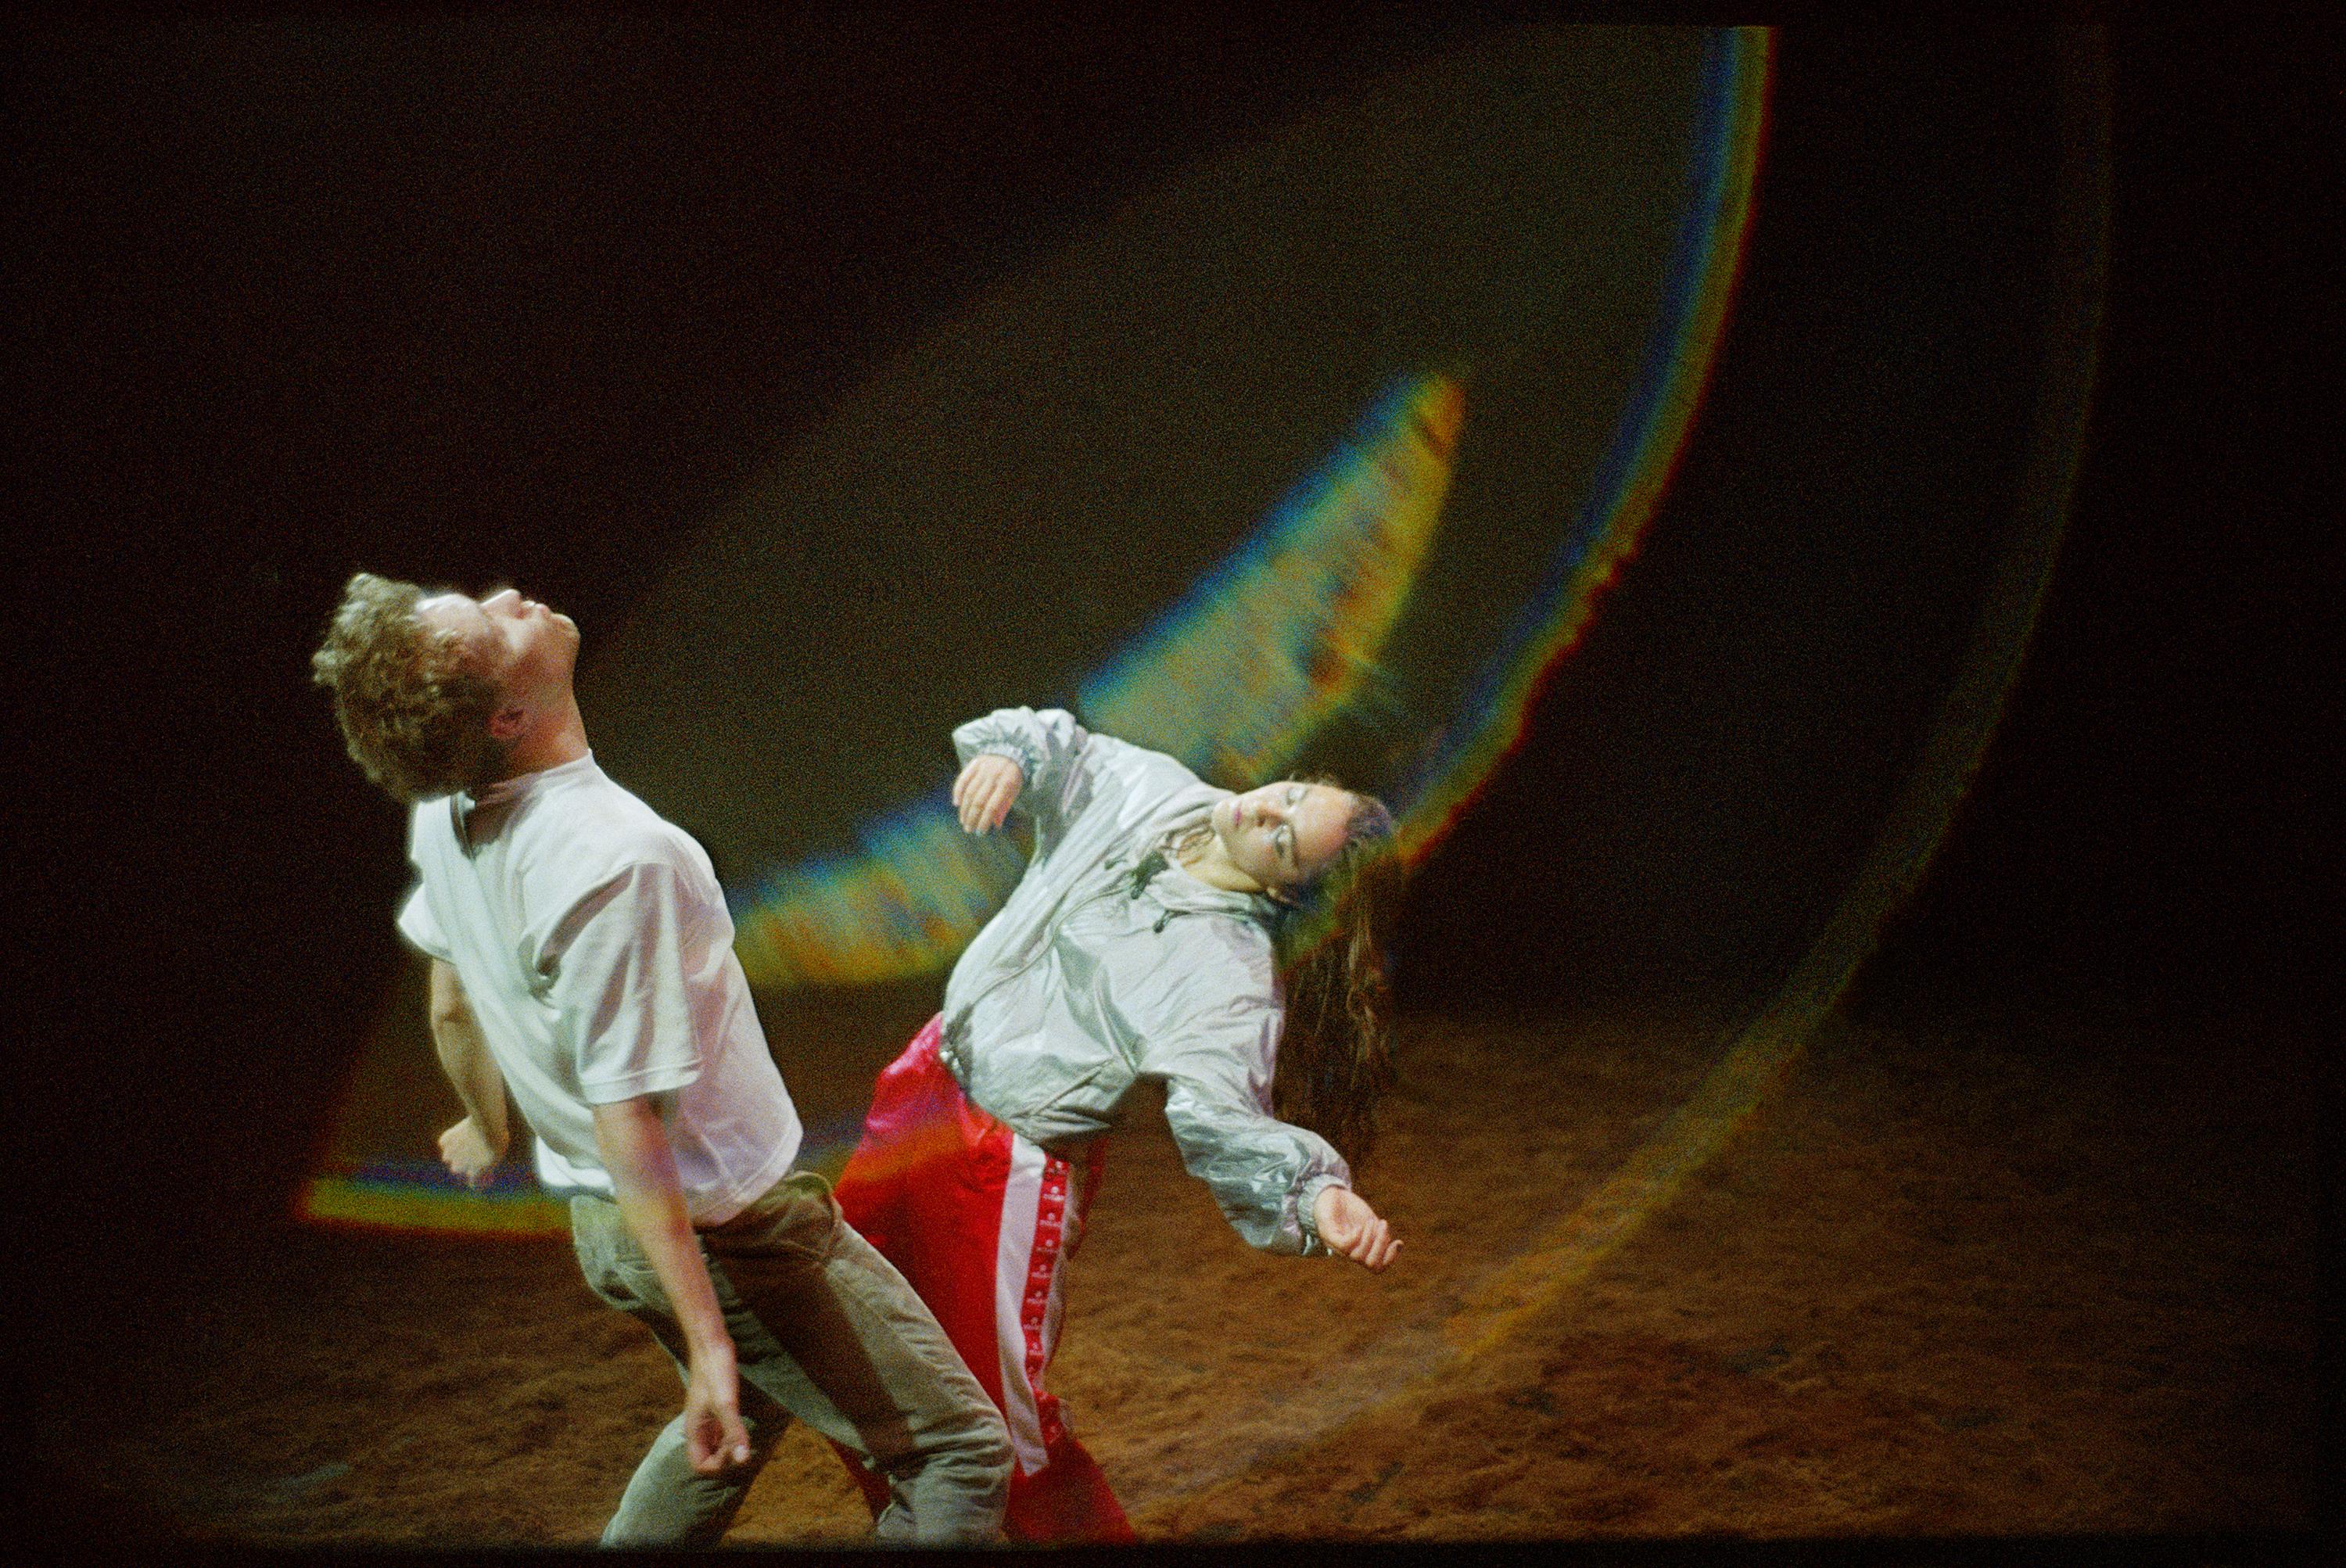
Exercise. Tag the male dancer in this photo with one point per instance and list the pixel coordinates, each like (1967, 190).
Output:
(581, 956)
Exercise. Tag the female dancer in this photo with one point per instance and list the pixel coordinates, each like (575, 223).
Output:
(1227, 945)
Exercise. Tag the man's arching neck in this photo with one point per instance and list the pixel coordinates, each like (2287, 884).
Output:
(559, 736)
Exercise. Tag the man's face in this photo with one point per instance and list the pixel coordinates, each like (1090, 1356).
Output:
(526, 650)
(1283, 835)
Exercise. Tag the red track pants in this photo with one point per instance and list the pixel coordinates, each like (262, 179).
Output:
(982, 1223)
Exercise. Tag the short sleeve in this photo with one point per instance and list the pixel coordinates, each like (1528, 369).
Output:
(418, 926)
(628, 960)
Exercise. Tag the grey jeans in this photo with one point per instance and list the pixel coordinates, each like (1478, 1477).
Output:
(824, 1329)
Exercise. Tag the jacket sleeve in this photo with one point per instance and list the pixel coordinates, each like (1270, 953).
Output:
(1046, 745)
(1265, 1174)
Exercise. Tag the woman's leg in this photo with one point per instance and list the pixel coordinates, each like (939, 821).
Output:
(982, 1222)
(1057, 1491)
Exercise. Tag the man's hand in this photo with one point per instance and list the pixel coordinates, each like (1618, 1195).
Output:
(471, 1146)
(1351, 1229)
(715, 1440)
(469, 1154)
(987, 790)
(632, 1142)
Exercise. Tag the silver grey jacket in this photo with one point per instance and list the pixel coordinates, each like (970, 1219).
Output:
(1091, 978)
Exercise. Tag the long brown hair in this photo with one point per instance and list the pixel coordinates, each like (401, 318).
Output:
(1335, 1050)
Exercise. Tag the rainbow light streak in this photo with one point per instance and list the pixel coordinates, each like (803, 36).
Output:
(1236, 679)
(1705, 265)
(911, 898)
(1233, 679)
(1282, 636)
(420, 1195)
(410, 1195)
(1507, 1301)
(1966, 721)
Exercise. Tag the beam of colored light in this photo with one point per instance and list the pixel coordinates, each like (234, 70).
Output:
(1235, 677)
(1513, 1297)
(1284, 635)
(419, 1195)
(411, 1194)
(1278, 637)
(1769, 1045)
(1705, 265)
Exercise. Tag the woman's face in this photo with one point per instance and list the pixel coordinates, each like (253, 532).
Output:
(1283, 835)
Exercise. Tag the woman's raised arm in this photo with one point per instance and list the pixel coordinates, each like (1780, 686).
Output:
(1044, 744)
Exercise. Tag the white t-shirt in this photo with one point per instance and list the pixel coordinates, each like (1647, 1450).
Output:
(595, 951)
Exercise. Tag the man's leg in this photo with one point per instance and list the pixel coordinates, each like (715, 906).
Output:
(856, 1355)
(670, 1503)
(667, 1502)
(822, 1329)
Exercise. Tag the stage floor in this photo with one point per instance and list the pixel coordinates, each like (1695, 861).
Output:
(2010, 1275)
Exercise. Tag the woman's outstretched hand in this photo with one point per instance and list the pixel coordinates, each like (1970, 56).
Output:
(987, 790)
(1353, 1229)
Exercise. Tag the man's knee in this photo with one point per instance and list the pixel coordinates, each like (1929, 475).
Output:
(990, 1449)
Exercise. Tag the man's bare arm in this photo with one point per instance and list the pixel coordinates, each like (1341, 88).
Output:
(634, 1144)
(472, 1145)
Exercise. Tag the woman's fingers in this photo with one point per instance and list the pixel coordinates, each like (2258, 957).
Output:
(969, 795)
(985, 792)
(1374, 1246)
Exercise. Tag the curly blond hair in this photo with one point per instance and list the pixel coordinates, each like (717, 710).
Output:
(413, 709)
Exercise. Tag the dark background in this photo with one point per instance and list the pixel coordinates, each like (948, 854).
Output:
(466, 299)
